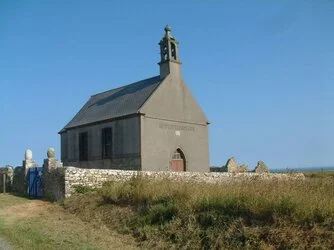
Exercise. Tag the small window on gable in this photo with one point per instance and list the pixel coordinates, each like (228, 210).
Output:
(83, 146)
(107, 142)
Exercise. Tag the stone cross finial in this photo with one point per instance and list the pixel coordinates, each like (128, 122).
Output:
(168, 31)
(168, 28)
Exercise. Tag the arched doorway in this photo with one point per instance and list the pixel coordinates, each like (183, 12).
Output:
(178, 163)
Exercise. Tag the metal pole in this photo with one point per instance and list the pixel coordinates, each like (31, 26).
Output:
(4, 182)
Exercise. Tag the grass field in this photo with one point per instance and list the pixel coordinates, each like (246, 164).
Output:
(320, 174)
(239, 215)
(173, 215)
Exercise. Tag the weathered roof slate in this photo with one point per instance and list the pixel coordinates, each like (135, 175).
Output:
(122, 101)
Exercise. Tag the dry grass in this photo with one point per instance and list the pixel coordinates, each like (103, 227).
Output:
(33, 224)
(320, 174)
(173, 215)
(239, 215)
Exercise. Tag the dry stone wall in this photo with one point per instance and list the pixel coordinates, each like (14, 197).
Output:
(6, 175)
(96, 177)
(59, 182)
(19, 179)
(53, 183)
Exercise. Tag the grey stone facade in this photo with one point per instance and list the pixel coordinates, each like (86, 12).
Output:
(125, 144)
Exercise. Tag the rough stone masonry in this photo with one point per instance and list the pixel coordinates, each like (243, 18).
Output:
(96, 177)
(60, 182)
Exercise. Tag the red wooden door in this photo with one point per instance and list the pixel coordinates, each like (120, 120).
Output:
(177, 165)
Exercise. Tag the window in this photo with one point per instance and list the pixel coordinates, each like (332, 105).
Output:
(177, 156)
(83, 146)
(106, 142)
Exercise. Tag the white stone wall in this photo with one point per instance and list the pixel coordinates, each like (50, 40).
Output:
(96, 177)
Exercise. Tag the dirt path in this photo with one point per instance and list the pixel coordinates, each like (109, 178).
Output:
(4, 244)
(29, 209)
(35, 224)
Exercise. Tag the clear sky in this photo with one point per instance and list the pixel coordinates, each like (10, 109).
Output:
(263, 71)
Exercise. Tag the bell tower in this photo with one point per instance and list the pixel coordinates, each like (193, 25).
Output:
(170, 61)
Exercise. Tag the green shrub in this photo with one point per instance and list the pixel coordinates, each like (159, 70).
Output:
(158, 214)
(82, 189)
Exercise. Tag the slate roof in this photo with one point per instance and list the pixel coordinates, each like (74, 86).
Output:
(122, 101)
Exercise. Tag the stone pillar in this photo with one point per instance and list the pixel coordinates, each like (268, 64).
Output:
(10, 175)
(6, 179)
(51, 162)
(28, 162)
(53, 178)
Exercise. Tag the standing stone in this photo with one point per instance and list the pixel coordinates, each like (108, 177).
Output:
(261, 168)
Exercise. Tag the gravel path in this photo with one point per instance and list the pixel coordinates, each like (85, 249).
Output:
(4, 245)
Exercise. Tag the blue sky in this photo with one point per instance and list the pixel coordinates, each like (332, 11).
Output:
(263, 71)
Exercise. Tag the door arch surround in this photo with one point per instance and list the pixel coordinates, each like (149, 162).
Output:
(178, 162)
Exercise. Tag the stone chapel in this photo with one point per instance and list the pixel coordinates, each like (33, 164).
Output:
(153, 124)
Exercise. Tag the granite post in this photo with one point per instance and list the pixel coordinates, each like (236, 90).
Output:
(53, 177)
(26, 164)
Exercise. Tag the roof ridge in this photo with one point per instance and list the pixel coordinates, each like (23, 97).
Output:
(127, 85)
